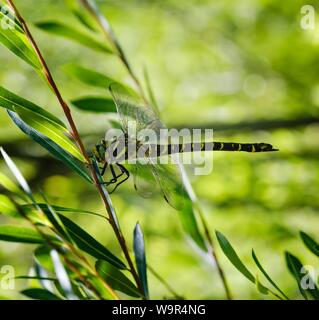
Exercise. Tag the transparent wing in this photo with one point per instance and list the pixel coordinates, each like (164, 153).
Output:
(133, 113)
(169, 178)
(144, 180)
(148, 178)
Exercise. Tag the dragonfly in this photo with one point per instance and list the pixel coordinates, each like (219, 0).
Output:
(150, 176)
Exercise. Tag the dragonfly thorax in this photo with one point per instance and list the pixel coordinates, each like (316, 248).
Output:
(116, 150)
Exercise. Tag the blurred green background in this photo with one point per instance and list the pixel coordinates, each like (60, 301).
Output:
(246, 69)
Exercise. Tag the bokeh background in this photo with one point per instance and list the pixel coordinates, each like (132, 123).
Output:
(246, 69)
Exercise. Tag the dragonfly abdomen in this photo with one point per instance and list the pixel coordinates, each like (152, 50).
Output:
(213, 146)
(121, 151)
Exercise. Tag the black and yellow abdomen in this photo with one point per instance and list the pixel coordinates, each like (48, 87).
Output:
(213, 146)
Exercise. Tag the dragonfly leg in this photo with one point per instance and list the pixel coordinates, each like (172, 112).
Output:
(103, 169)
(114, 176)
(125, 172)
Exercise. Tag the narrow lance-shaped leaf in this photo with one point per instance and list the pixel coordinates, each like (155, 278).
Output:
(189, 224)
(295, 266)
(43, 258)
(17, 173)
(36, 278)
(10, 101)
(150, 91)
(88, 76)
(232, 256)
(303, 278)
(62, 276)
(20, 234)
(43, 206)
(116, 279)
(260, 267)
(8, 184)
(39, 294)
(54, 218)
(82, 15)
(140, 258)
(88, 244)
(52, 131)
(84, 38)
(310, 243)
(52, 147)
(43, 277)
(13, 37)
(7, 207)
(187, 214)
(95, 104)
(8, 18)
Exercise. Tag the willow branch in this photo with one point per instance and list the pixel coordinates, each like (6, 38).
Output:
(76, 136)
(110, 35)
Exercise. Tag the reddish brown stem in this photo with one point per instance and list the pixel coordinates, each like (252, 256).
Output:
(108, 32)
(76, 136)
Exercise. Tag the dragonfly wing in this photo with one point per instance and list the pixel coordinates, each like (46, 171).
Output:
(144, 180)
(168, 176)
(132, 111)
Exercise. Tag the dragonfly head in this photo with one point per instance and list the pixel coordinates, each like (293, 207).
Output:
(99, 151)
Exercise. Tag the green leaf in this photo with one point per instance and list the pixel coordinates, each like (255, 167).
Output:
(233, 257)
(88, 244)
(7, 207)
(260, 287)
(7, 15)
(35, 278)
(43, 277)
(140, 258)
(17, 173)
(87, 76)
(62, 276)
(42, 257)
(52, 147)
(43, 207)
(13, 37)
(54, 218)
(10, 101)
(295, 267)
(39, 294)
(51, 130)
(20, 234)
(82, 15)
(8, 184)
(116, 279)
(189, 224)
(310, 243)
(95, 104)
(266, 274)
(150, 91)
(84, 38)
